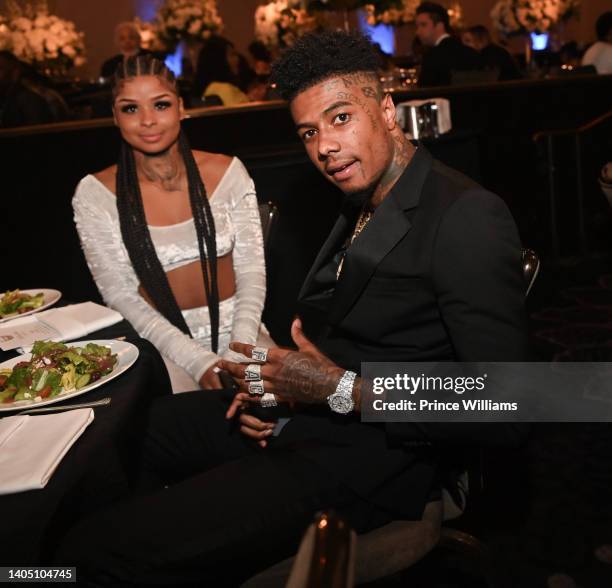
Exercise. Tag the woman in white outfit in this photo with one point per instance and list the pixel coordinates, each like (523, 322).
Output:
(173, 236)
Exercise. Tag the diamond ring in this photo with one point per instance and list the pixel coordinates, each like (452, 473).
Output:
(259, 354)
(252, 372)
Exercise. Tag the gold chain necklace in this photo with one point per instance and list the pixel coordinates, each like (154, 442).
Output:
(362, 221)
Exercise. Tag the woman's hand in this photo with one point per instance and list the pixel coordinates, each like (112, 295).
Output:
(250, 426)
(210, 379)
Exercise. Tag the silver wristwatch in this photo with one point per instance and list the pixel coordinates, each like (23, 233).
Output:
(341, 401)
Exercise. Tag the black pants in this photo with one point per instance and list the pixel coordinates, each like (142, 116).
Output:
(230, 509)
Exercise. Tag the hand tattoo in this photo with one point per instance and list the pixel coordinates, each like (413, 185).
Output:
(306, 379)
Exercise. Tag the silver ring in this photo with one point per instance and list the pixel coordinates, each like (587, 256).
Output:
(252, 372)
(268, 400)
(256, 388)
(259, 354)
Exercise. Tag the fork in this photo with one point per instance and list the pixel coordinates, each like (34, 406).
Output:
(102, 402)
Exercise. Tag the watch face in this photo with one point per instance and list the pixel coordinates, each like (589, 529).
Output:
(341, 403)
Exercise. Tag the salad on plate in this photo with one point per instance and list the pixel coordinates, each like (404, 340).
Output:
(16, 302)
(55, 369)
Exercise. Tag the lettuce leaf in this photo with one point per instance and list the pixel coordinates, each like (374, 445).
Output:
(46, 347)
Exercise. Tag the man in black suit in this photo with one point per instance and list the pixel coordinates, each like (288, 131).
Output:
(493, 56)
(445, 54)
(422, 264)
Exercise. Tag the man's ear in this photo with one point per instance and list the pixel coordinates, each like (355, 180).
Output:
(388, 110)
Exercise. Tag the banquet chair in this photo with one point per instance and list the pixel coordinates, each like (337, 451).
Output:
(531, 268)
(326, 556)
(400, 544)
(268, 212)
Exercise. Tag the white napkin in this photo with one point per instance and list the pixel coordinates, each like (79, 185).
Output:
(444, 117)
(77, 320)
(57, 324)
(31, 447)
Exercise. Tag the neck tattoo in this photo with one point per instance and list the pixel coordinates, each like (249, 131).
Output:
(403, 151)
(165, 170)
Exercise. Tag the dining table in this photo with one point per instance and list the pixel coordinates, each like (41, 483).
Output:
(98, 469)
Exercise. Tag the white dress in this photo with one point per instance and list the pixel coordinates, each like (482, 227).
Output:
(238, 230)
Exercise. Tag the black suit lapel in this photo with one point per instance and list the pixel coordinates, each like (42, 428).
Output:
(316, 281)
(386, 228)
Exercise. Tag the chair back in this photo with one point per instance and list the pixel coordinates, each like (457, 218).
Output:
(326, 556)
(268, 213)
(531, 268)
(464, 482)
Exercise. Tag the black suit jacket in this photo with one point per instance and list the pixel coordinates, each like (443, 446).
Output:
(440, 61)
(435, 275)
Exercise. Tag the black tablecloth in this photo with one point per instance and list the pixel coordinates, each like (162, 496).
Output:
(98, 467)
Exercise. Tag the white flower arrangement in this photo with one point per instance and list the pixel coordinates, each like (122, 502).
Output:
(279, 23)
(403, 12)
(43, 39)
(190, 20)
(455, 15)
(5, 35)
(512, 17)
(400, 12)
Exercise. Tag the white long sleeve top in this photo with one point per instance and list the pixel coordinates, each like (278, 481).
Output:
(238, 230)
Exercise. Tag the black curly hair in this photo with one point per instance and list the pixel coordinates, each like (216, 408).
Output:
(318, 56)
(603, 26)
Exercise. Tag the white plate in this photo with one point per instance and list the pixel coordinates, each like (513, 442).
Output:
(50, 297)
(127, 354)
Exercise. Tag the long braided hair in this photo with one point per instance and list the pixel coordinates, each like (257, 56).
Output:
(134, 228)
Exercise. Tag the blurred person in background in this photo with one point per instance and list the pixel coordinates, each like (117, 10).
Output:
(220, 72)
(570, 54)
(127, 39)
(260, 64)
(493, 56)
(261, 58)
(24, 97)
(600, 53)
(445, 53)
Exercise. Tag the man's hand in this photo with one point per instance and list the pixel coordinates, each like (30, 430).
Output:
(305, 375)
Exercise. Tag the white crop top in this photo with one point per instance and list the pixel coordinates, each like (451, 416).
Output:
(238, 230)
(177, 245)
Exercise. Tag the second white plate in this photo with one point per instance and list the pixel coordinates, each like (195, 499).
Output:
(50, 297)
